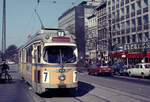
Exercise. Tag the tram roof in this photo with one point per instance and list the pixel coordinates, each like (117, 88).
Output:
(43, 33)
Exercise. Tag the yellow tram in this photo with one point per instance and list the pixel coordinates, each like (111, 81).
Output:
(48, 60)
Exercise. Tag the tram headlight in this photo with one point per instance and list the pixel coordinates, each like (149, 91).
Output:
(62, 77)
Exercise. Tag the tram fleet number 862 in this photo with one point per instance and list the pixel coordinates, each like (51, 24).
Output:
(48, 60)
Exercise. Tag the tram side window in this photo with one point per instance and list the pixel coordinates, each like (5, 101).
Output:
(29, 54)
(39, 53)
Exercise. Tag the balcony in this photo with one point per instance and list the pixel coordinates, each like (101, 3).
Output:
(139, 28)
(132, 14)
(145, 9)
(138, 12)
(146, 26)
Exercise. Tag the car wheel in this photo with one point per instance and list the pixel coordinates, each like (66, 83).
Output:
(89, 73)
(96, 73)
(129, 74)
(143, 76)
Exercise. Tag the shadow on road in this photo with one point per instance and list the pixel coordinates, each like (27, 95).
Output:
(3, 81)
(83, 88)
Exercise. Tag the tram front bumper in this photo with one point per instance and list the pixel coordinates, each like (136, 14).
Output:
(44, 87)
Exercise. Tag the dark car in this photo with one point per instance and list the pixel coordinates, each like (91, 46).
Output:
(118, 67)
(1, 70)
(97, 69)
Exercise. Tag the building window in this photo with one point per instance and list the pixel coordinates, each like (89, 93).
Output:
(127, 9)
(113, 2)
(118, 40)
(109, 2)
(127, 24)
(122, 11)
(139, 4)
(140, 37)
(146, 36)
(114, 40)
(133, 24)
(133, 38)
(139, 19)
(133, 7)
(122, 26)
(109, 9)
(117, 1)
(123, 40)
(113, 15)
(145, 3)
(145, 18)
(118, 27)
(128, 39)
(117, 13)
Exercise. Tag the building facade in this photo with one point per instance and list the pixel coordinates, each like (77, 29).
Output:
(92, 37)
(102, 29)
(75, 21)
(128, 24)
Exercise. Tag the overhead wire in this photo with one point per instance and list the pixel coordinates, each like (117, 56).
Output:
(29, 22)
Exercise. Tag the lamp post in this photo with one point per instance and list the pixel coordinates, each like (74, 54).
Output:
(4, 30)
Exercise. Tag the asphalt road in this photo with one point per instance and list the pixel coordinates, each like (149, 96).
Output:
(91, 89)
(15, 90)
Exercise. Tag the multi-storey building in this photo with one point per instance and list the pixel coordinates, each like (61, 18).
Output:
(102, 28)
(129, 27)
(92, 37)
(75, 21)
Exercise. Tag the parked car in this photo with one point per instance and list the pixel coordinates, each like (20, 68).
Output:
(141, 69)
(97, 69)
(123, 70)
(1, 70)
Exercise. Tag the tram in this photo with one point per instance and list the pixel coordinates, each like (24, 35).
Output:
(48, 60)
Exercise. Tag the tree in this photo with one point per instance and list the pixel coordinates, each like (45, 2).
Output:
(11, 53)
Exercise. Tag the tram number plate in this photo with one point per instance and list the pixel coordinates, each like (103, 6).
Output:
(45, 77)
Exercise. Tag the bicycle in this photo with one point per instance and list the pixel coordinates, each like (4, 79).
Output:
(8, 77)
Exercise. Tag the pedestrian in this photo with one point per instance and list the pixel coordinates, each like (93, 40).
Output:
(5, 69)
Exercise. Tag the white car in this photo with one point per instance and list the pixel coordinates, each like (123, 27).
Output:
(141, 69)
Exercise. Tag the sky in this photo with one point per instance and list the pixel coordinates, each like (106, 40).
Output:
(22, 21)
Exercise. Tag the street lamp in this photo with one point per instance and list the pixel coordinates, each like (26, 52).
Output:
(4, 30)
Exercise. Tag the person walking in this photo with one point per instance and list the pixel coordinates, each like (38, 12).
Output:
(5, 69)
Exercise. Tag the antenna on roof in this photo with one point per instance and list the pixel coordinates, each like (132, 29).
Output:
(42, 25)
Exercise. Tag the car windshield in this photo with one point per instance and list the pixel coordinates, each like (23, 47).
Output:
(147, 66)
(58, 54)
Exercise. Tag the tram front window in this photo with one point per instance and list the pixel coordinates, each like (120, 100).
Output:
(59, 54)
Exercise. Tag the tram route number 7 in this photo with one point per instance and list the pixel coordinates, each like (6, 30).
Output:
(46, 77)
